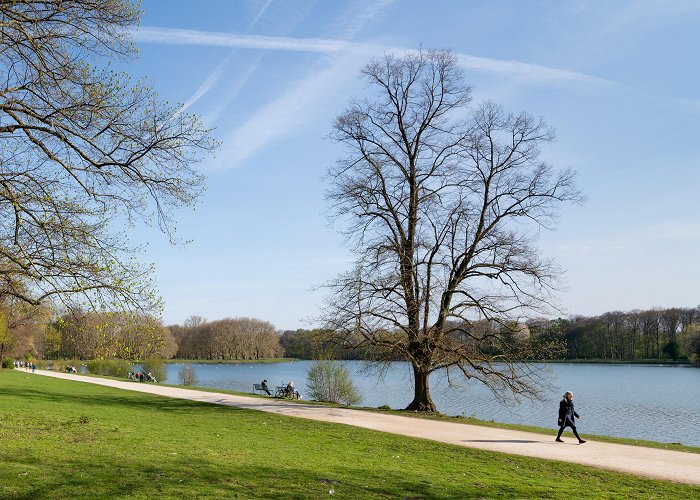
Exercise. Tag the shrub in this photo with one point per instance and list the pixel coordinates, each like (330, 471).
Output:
(186, 375)
(8, 363)
(156, 367)
(110, 367)
(329, 381)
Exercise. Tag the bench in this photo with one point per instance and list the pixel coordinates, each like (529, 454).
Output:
(258, 388)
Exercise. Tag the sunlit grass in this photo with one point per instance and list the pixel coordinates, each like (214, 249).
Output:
(63, 439)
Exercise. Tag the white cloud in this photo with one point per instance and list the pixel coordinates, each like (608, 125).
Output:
(356, 17)
(525, 71)
(234, 85)
(211, 80)
(275, 119)
(262, 11)
(173, 36)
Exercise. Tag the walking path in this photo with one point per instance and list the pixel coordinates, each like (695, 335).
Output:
(648, 462)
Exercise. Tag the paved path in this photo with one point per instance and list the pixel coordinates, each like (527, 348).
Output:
(649, 462)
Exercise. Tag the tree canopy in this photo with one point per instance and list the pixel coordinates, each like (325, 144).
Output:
(82, 146)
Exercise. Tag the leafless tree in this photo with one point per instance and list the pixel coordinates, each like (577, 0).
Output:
(193, 321)
(231, 338)
(442, 203)
(80, 147)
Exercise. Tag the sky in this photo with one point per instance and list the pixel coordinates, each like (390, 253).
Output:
(618, 81)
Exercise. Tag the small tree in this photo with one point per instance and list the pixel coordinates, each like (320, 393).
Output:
(187, 375)
(330, 382)
(156, 367)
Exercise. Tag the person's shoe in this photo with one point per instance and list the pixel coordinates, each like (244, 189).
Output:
(581, 441)
(559, 440)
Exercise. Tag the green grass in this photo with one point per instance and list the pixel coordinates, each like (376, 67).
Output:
(468, 420)
(449, 418)
(63, 439)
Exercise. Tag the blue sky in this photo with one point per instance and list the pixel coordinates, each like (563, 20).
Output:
(617, 80)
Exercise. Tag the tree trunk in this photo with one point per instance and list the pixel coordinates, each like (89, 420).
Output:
(421, 399)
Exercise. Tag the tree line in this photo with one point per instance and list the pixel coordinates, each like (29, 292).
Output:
(33, 331)
(28, 331)
(672, 333)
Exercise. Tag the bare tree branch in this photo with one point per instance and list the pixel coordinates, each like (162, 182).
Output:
(440, 202)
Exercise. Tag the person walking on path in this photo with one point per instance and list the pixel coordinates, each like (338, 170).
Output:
(568, 416)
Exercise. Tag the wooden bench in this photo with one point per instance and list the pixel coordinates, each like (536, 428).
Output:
(258, 388)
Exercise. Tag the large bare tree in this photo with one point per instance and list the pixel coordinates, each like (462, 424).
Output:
(82, 147)
(442, 202)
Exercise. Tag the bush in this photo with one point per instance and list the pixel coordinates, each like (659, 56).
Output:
(8, 363)
(186, 375)
(110, 367)
(330, 382)
(156, 367)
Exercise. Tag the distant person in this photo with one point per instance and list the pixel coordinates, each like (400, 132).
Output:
(568, 416)
(265, 388)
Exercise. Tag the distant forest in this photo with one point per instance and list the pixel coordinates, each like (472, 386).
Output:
(656, 334)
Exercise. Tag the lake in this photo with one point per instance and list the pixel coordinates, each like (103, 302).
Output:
(657, 403)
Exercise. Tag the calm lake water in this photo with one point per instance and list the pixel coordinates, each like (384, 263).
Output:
(658, 403)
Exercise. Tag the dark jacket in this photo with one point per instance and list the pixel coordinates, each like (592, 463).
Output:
(566, 410)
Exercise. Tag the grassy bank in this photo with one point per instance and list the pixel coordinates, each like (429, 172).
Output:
(467, 420)
(65, 439)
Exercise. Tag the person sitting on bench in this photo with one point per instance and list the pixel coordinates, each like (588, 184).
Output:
(291, 393)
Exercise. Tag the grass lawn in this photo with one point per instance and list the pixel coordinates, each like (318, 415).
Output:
(63, 439)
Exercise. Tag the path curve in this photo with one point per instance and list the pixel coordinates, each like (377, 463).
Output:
(654, 463)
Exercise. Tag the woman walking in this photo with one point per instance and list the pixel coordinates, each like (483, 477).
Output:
(567, 416)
